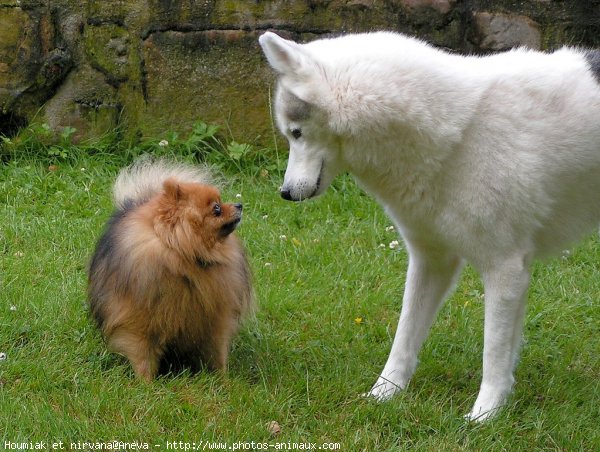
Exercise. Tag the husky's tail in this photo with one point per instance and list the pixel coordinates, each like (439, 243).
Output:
(143, 179)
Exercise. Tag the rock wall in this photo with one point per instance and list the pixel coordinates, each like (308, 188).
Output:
(149, 66)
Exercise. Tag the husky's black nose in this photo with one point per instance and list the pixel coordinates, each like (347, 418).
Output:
(238, 207)
(285, 194)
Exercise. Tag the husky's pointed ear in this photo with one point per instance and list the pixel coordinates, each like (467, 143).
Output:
(286, 57)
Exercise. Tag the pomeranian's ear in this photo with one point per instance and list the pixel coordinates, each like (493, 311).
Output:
(286, 57)
(173, 190)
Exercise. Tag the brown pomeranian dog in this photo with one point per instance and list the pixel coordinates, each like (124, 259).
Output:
(169, 282)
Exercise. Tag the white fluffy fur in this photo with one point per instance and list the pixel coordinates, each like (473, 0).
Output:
(145, 178)
(489, 160)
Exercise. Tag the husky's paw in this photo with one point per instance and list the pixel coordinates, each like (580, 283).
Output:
(480, 415)
(488, 404)
(384, 389)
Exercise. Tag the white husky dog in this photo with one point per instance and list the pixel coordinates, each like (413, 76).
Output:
(490, 160)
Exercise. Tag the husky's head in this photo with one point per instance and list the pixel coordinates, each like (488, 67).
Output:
(301, 93)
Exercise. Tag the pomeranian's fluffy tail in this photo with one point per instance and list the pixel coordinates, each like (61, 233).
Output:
(144, 179)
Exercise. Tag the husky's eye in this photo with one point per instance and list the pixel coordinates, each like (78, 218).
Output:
(296, 133)
(217, 210)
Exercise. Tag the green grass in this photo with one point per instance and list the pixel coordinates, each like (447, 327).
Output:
(304, 360)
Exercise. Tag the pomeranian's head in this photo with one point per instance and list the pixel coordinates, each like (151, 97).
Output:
(193, 221)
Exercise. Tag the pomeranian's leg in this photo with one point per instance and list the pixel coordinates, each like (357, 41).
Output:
(143, 356)
(428, 279)
(216, 355)
(215, 350)
(506, 287)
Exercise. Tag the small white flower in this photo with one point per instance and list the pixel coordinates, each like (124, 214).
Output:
(382, 245)
(394, 244)
(264, 217)
(389, 229)
(3, 356)
(19, 254)
(268, 264)
(283, 237)
(82, 170)
(238, 196)
(163, 143)
(13, 308)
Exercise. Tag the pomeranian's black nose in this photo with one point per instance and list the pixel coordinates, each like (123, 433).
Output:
(238, 207)
(285, 194)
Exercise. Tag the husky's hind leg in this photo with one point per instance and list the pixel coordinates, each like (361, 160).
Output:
(429, 278)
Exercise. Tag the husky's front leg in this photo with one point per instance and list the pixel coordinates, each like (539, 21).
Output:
(505, 298)
(428, 279)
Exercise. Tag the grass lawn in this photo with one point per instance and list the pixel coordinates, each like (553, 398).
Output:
(329, 296)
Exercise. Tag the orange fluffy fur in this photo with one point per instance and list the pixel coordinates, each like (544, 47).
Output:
(169, 282)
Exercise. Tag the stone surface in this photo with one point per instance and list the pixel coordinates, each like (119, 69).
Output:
(441, 6)
(503, 31)
(217, 76)
(148, 67)
(107, 49)
(18, 54)
(86, 102)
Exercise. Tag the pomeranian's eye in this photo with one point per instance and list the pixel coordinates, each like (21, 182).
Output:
(217, 210)
(296, 133)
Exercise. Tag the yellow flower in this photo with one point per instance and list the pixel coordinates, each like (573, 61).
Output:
(358, 320)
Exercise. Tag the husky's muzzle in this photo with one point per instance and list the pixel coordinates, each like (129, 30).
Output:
(286, 194)
(302, 190)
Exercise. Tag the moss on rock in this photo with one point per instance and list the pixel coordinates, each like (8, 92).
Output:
(150, 66)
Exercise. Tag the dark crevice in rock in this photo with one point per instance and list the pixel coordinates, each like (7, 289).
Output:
(96, 104)
(98, 21)
(144, 80)
(191, 28)
(10, 124)
(111, 79)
